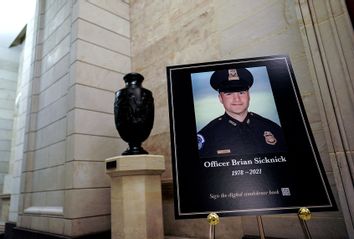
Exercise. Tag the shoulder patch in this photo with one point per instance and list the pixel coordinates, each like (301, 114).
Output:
(201, 141)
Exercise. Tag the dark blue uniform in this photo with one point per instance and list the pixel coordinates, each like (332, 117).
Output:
(225, 136)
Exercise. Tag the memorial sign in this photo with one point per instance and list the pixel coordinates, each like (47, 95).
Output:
(241, 141)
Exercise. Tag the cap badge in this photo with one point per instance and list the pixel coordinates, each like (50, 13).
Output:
(233, 74)
(269, 138)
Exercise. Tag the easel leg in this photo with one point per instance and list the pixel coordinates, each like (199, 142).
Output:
(213, 220)
(212, 232)
(260, 227)
(305, 229)
(304, 215)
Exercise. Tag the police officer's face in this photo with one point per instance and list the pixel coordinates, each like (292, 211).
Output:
(235, 103)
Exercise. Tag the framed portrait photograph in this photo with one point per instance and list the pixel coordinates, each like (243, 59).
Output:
(241, 142)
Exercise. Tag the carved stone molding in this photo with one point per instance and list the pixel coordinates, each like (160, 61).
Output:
(328, 39)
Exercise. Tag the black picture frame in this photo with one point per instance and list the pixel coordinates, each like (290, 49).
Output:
(293, 179)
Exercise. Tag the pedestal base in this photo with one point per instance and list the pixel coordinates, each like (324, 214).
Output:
(136, 200)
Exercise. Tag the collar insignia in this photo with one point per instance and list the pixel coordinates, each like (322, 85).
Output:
(233, 123)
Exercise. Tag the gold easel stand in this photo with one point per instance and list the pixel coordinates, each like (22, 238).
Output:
(260, 227)
(304, 215)
(213, 219)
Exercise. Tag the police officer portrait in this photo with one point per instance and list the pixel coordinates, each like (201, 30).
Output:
(236, 113)
(240, 140)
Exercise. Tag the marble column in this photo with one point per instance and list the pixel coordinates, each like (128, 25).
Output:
(136, 200)
(328, 38)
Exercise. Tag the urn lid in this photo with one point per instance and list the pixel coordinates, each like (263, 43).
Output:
(133, 78)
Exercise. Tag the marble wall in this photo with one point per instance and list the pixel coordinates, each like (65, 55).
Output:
(9, 67)
(328, 39)
(100, 56)
(12, 182)
(44, 149)
(182, 32)
(79, 52)
(9, 63)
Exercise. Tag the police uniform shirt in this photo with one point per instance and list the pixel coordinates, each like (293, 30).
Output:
(225, 136)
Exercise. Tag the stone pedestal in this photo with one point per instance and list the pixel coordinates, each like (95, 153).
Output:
(136, 200)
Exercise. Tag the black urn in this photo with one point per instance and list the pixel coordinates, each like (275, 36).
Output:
(134, 113)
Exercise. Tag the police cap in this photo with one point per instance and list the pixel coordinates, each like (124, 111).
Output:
(231, 80)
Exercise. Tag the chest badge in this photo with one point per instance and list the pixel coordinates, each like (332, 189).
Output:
(269, 138)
